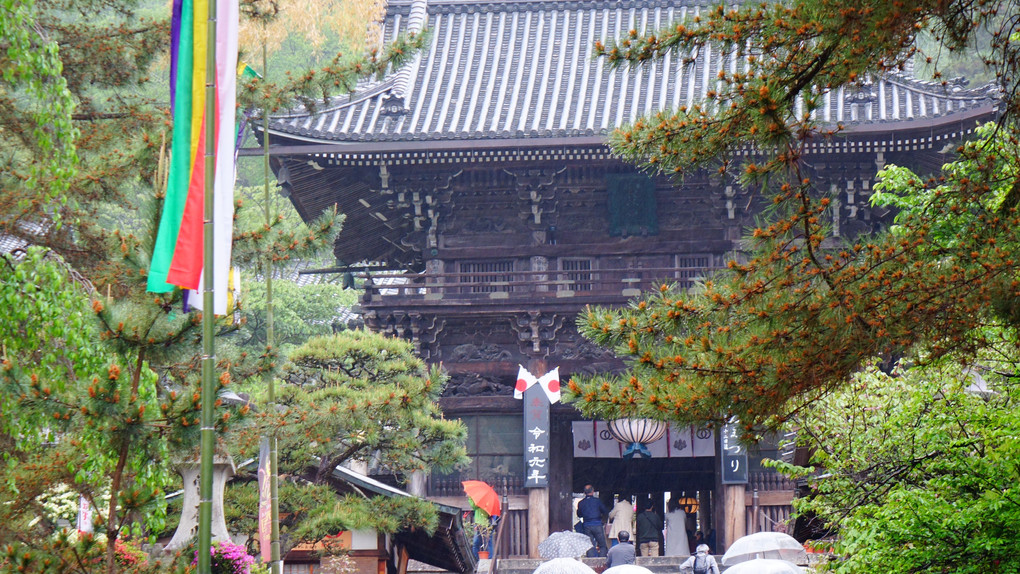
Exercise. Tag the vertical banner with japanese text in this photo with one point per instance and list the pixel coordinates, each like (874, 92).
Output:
(84, 515)
(536, 438)
(537, 393)
(733, 455)
(265, 523)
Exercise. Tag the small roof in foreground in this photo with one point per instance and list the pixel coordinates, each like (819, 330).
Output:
(447, 548)
(524, 69)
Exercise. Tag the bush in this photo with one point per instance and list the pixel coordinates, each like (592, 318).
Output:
(229, 558)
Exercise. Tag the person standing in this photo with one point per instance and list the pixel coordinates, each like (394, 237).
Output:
(649, 527)
(676, 531)
(622, 553)
(591, 510)
(699, 539)
(483, 527)
(621, 518)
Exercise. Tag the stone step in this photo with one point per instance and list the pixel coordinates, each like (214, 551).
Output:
(657, 564)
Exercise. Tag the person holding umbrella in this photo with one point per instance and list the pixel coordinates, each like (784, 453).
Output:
(486, 506)
(591, 510)
(484, 525)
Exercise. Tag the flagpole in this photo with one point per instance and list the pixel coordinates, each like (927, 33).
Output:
(208, 432)
(276, 565)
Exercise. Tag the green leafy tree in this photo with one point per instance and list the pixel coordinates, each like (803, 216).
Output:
(76, 106)
(914, 472)
(83, 414)
(300, 312)
(99, 384)
(356, 396)
(272, 22)
(915, 467)
(38, 105)
(795, 318)
(918, 467)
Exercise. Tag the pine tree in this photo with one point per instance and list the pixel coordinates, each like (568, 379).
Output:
(99, 388)
(795, 318)
(356, 396)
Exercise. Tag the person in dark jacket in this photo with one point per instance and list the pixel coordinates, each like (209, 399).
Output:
(591, 510)
(622, 553)
(649, 528)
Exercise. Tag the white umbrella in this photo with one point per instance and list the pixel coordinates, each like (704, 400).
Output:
(775, 545)
(563, 566)
(764, 566)
(627, 569)
(565, 544)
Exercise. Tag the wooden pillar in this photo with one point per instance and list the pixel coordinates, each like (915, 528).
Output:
(561, 478)
(734, 516)
(705, 522)
(538, 519)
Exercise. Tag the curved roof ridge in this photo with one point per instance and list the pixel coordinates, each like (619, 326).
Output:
(397, 83)
(415, 24)
(937, 88)
(342, 101)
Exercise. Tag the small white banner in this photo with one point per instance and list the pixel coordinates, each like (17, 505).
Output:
(704, 442)
(584, 439)
(680, 442)
(605, 445)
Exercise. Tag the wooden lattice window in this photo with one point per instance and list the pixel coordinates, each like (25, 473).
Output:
(631, 203)
(495, 444)
(690, 268)
(578, 271)
(487, 276)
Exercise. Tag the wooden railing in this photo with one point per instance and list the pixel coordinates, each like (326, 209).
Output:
(512, 534)
(522, 284)
(769, 498)
(450, 485)
(768, 518)
(768, 481)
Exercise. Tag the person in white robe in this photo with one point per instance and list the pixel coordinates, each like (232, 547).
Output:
(676, 531)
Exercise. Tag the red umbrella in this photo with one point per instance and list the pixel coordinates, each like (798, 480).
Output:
(483, 496)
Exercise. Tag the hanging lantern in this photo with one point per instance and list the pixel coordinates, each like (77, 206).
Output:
(688, 504)
(636, 433)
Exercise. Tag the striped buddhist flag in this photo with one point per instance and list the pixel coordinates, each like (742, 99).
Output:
(180, 155)
(178, 256)
(247, 72)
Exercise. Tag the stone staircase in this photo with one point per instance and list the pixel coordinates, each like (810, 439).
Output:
(657, 564)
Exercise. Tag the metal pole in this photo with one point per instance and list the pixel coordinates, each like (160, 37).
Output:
(755, 513)
(276, 564)
(208, 431)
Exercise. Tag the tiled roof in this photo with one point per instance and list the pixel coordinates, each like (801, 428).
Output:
(524, 69)
(9, 243)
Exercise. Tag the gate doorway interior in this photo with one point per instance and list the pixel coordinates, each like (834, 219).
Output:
(688, 481)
